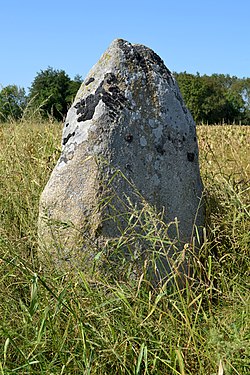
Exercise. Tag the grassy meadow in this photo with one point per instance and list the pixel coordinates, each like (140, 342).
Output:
(52, 324)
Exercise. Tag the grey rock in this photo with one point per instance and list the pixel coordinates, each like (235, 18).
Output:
(128, 133)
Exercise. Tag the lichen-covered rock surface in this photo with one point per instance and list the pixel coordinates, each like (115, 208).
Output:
(128, 133)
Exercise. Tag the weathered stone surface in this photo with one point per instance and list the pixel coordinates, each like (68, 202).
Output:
(128, 116)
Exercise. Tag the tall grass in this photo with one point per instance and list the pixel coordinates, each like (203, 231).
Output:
(55, 324)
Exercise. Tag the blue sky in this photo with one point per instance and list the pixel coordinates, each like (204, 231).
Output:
(205, 36)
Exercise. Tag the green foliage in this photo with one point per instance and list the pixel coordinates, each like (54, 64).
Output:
(243, 86)
(74, 86)
(53, 92)
(215, 99)
(12, 103)
(55, 324)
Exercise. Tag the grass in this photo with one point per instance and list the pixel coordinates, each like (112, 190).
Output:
(53, 324)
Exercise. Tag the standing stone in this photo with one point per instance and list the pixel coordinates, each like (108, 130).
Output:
(128, 129)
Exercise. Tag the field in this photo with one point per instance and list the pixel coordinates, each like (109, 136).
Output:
(51, 324)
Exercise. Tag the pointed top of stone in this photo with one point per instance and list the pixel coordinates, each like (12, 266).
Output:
(124, 75)
(122, 55)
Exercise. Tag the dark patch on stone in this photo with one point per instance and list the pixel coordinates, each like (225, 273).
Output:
(195, 139)
(87, 108)
(190, 156)
(145, 58)
(128, 167)
(160, 149)
(65, 140)
(110, 78)
(79, 105)
(183, 138)
(128, 137)
(112, 114)
(63, 159)
(111, 96)
(89, 81)
(67, 124)
(113, 90)
(150, 58)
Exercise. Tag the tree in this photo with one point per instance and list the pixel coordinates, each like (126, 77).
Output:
(242, 87)
(226, 101)
(194, 93)
(214, 99)
(52, 92)
(73, 88)
(12, 103)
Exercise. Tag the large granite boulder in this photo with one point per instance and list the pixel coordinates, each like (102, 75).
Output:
(128, 138)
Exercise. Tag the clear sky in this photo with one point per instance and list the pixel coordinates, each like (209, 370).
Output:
(205, 36)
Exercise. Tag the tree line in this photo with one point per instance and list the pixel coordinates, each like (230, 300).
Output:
(51, 93)
(214, 99)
